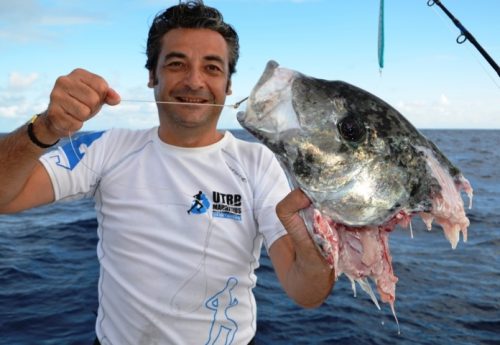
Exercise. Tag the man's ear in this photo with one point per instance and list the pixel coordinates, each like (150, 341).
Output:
(152, 80)
(228, 88)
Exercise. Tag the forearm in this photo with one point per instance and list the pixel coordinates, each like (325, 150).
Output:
(309, 280)
(18, 157)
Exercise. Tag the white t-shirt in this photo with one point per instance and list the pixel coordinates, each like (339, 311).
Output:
(180, 232)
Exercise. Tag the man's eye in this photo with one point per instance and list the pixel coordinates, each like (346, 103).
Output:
(214, 68)
(174, 64)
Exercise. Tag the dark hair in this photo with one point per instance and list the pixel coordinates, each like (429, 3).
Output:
(192, 14)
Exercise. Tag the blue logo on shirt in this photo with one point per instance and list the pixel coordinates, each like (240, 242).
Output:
(200, 204)
(75, 149)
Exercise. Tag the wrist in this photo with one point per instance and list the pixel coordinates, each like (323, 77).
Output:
(39, 134)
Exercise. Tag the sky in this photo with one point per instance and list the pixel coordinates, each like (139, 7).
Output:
(433, 81)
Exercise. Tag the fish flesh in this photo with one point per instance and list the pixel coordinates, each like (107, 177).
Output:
(364, 166)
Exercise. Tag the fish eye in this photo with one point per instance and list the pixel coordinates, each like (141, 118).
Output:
(351, 129)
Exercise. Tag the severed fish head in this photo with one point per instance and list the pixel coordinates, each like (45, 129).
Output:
(357, 158)
(362, 164)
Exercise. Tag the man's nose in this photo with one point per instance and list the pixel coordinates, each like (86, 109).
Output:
(194, 79)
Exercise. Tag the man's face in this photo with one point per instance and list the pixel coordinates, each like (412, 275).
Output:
(192, 68)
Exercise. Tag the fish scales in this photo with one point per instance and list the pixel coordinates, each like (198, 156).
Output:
(364, 166)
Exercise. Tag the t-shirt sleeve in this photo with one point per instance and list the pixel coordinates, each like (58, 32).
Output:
(75, 167)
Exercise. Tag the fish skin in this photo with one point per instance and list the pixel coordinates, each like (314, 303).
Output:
(363, 165)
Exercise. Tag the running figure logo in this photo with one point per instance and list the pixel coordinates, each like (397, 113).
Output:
(200, 204)
(223, 328)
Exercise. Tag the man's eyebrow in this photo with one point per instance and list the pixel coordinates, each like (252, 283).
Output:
(174, 55)
(216, 58)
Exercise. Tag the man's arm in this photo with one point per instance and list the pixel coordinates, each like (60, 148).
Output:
(301, 270)
(25, 183)
(74, 99)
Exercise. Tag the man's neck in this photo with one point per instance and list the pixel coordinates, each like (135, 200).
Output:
(189, 137)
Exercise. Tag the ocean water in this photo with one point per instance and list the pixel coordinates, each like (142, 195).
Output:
(49, 272)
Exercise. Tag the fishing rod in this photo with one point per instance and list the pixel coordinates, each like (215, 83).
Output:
(466, 35)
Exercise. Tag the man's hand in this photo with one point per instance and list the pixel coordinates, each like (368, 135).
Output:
(75, 98)
(288, 213)
(303, 272)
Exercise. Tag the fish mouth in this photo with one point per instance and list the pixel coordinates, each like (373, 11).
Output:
(272, 94)
(271, 66)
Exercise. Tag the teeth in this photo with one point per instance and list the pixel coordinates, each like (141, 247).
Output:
(192, 100)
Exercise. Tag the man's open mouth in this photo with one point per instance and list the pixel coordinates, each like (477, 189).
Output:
(191, 100)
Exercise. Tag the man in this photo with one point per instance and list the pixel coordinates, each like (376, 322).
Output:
(169, 276)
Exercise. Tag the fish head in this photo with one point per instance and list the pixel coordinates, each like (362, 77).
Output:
(352, 153)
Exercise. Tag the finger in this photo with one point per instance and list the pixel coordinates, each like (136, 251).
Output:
(112, 97)
(72, 98)
(91, 90)
(288, 213)
(296, 200)
(75, 96)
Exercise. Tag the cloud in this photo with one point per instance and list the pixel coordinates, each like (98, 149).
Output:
(18, 81)
(450, 112)
(21, 96)
(25, 35)
(17, 110)
(12, 10)
(443, 100)
(9, 112)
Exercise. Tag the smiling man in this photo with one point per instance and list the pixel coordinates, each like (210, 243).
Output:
(192, 68)
(169, 276)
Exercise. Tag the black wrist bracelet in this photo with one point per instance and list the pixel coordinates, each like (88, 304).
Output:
(34, 139)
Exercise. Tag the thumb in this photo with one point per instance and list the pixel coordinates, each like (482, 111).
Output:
(288, 213)
(306, 250)
(112, 97)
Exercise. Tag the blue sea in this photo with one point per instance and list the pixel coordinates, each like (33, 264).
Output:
(49, 272)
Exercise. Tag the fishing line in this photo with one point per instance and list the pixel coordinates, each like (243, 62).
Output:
(234, 106)
(79, 154)
(194, 279)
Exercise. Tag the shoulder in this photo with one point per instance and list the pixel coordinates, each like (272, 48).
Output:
(114, 135)
(107, 145)
(123, 140)
(130, 135)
